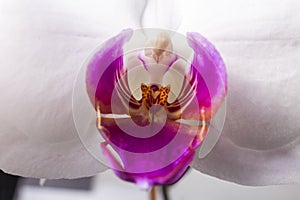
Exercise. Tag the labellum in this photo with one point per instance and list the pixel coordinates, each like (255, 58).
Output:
(154, 92)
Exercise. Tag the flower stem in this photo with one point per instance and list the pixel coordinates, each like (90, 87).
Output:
(165, 192)
(153, 193)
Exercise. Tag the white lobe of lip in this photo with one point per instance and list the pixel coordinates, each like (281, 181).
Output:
(157, 63)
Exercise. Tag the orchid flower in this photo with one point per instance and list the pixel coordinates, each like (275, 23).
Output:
(44, 45)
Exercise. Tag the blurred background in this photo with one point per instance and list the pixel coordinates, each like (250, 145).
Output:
(193, 186)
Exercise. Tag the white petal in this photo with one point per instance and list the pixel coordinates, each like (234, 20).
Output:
(43, 46)
(260, 143)
(161, 14)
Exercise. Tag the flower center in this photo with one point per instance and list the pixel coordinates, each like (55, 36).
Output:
(154, 94)
(152, 106)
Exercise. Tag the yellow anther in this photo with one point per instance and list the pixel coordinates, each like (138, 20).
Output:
(154, 94)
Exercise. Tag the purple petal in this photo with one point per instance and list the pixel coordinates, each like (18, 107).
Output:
(136, 144)
(160, 159)
(210, 74)
(102, 68)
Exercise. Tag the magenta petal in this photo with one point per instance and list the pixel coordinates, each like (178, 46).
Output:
(164, 159)
(210, 73)
(132, 143)
(100, 77)
(166, 175)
